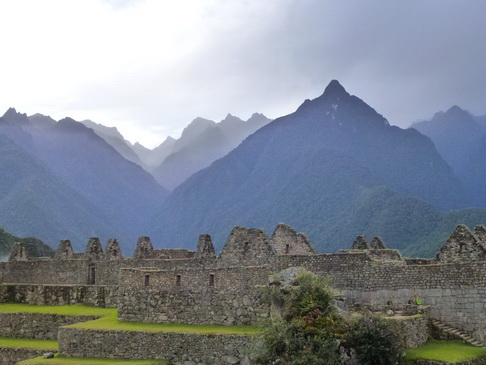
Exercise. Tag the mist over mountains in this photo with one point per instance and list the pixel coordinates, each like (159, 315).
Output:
(334, 168)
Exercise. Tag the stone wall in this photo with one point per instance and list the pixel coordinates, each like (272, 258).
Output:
(212, 295)
(93, 295)
(10, 356)
(40, 326)
(414, 330)
(286, 241)
(176, 347)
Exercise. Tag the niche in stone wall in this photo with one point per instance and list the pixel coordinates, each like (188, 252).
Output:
(178, 280)
(91, 275)
(287, 249)
(211, 279)
(146, 280)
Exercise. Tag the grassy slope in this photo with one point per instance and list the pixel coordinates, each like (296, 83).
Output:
(65, 310)
(109, 321)
(91, 361)
(27, 343)
(447, 351)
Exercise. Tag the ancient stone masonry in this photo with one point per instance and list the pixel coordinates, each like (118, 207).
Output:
(203, 287)
(286, 241)
(64, 251)
(19, 252)
(464, 245)
(113, 251)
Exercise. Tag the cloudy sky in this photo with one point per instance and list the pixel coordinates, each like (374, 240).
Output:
(149, 67)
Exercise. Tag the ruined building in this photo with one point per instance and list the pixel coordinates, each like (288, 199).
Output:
(203, 287)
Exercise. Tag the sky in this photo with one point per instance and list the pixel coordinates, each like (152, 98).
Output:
(149, 67)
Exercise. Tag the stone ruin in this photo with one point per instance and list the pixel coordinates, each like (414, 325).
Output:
(204, 287)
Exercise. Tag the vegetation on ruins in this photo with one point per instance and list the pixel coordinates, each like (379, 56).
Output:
(309, 329)
(376, 340)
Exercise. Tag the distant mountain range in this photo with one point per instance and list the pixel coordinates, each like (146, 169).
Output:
(333, 169)
(460, 138)
(61, 180)
(202, 142)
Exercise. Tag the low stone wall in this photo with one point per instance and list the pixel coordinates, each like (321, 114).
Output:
(37, 294)
(463, 308)
(226, 296)
(36, 325)
(207, 307)
(10, 356)
(414, 330)
(178, 348)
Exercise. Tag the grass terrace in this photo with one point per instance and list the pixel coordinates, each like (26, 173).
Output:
(108, 321)
(88, 361)
(446, 351)
(27, 343)
(62, 310)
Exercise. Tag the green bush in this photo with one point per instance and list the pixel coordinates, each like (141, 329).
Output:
(309, 327)
(311, 332)
(375, 339)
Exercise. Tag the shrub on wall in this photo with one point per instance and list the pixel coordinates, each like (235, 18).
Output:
(308, 330)
(375, 340)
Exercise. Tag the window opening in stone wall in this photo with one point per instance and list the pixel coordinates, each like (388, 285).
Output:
(147, 280)
(178, 280)
(91, 275)
(211, 279)
(287, 249)
(246, 247)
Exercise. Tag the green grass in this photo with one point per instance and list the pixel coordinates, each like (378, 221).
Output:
(91, 361)
(109, 321)
(65, 310)
(447, 351)
(27, 343)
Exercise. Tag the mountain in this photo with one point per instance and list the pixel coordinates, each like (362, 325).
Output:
(35, 202)
(202, 142)
(115, 139)
(121, 193)
(321, 169)
(455, 133)
(35, 247)
(460, 138)
(153, 158)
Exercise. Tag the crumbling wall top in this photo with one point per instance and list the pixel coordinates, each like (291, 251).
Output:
(19, 252)
(94, 251)
(64, 251)
(144, 249)
(205, 247)
(287, 241)
(360, 243)
(463, 245)
(248, 246)
(113, 251)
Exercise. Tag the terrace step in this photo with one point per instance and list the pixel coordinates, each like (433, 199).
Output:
(456, 332)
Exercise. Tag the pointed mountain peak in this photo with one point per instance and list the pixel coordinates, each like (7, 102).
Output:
(12, 116)
(169, 139)
(10, 112)
(335, 89)
(70, 125)
(457, 112)
(231, 118)
(454, 116)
